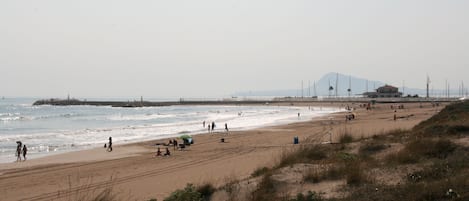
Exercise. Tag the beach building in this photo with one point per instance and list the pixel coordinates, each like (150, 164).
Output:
(386, 91)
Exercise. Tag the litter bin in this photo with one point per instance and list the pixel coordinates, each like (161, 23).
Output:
(295, 140)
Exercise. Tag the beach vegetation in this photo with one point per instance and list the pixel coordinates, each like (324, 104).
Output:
(345, 138)
(330, 172)
(428, 162)
(265, 190)
(260, 171)
(189, 193)
(304, 154)
(309, 196)
(206, 191)
(424, 148)
(371, 148)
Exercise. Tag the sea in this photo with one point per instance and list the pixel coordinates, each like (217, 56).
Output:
(48, 130)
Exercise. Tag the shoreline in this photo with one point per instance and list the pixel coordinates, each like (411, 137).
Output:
(286, 118)
(136, 172)
(62, 157)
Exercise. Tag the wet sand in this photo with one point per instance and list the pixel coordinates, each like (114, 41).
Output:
(133, 172)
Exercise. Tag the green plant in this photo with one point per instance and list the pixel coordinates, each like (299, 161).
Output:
(206, 191)
(189, 193)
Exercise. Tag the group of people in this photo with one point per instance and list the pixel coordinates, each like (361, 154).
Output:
(21, 149)
(174, 143)
(211, 127)
(167, 153)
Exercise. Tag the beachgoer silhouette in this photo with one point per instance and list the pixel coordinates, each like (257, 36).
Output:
(175, 144)
(25, 150)
(18, 151)
(208, 128)
(167, 152)
(203, 123)
(158, 152)
(213, 125)
(226, 127)
(109, 148)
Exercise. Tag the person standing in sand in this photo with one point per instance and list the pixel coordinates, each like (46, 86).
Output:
(175, 144)
(109, 148)
(18, 151)
(25, 150)
(226, 127)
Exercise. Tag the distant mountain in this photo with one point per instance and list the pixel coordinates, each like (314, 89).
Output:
(357, 85)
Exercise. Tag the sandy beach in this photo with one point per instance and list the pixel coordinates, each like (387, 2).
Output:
(134, 173)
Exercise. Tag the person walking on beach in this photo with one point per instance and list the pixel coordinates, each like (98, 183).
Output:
(208, 128)
(25, 150)
(213, 125)
(226, 127)
(203, 123)
(18, 151)
(109, 148)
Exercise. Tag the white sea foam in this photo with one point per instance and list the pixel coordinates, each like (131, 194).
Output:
(57, 129)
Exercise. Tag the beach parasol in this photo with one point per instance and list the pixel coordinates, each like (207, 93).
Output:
(185, 136)
(187, 139)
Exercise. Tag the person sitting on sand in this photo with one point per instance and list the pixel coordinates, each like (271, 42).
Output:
(25, 150)
(158, 152)
(167, 152)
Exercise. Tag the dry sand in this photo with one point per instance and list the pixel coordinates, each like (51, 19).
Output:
(135, 174)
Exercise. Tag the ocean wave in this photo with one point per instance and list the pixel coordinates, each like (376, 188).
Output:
(140, 117)
(8, 119)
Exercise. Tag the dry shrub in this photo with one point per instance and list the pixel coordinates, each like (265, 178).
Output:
(304, 154)
(345, 138)
(265, 189)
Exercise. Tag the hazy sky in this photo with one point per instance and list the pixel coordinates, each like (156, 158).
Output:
(209, 48)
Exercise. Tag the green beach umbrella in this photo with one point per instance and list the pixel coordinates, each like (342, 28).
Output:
(185, 136)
